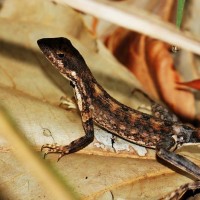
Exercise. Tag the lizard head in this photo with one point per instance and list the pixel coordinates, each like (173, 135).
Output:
(63, 56)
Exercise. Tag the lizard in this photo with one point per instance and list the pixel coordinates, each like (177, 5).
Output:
(97, 106)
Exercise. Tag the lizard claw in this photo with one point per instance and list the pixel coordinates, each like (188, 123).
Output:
(55, 148)
(49, 146)
(60, 156)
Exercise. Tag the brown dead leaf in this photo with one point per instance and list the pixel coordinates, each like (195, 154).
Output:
(151, 62)
(30, 89)
(195, 84)
(165, 77)
(129, 48)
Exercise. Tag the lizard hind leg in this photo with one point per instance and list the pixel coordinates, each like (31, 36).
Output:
(164, 150)
(180, 162)
(179, 192)
(157, 109)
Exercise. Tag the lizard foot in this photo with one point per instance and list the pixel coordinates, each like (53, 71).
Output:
(67, 103)
(55, 148)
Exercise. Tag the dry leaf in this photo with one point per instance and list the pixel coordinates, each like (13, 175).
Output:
(165, 77)
(30, 89)
(195, 84)
(153, 65)
(129, 48)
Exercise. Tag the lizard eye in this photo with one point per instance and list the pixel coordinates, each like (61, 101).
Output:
(61, 55)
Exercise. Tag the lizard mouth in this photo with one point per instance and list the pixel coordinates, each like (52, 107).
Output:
(41, 43)
(47, 48)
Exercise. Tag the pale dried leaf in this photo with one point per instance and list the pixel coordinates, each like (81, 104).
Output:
(30, 90)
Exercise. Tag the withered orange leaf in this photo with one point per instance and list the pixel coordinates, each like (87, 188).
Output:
(195, 84)
(151, 62)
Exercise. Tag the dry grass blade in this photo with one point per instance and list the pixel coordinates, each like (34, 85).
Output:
(137, 20)
(35, 164)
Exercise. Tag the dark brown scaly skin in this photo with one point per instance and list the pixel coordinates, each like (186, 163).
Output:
(96, 105)
(179, 192)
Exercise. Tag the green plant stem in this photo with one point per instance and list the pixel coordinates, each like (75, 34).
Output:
(179, 13)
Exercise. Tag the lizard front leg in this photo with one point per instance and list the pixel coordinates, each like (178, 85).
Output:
(78, 144)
